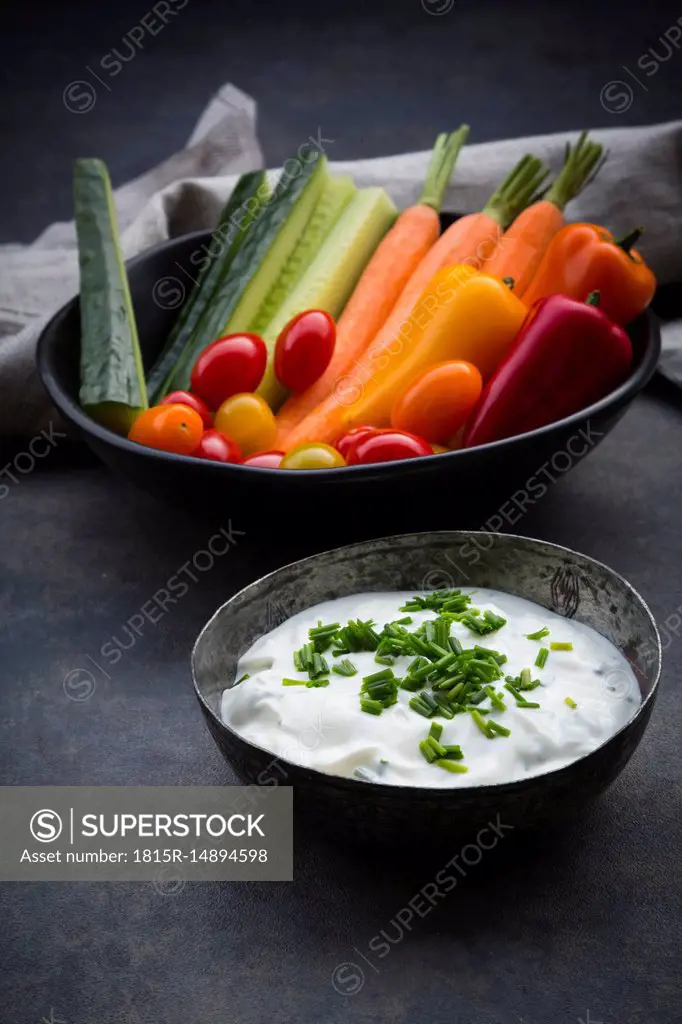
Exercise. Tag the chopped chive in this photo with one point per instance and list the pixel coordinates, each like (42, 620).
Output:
(247, 675)
(405, 621)
(371, 707)
(408, 683)
(481, 723)
(384, 659)
(524, 678)
(319, 666)
(436, 730)
(428, 752)
(357, 636)
(526, 704)
(465, 691)
(378, 677)
(531, 686)
(543, 655)
(322, 636)
(478, 698)
(495, 727)
(512, 689)
(571, 703)
(314, 683)
(454, 751)
(557, 645)
(437, 747)
(294, 682)
(455, 692)
(452, 766)
(419, 662)
(444, 709)
(438, 600)
(539, 634)
(418, 705)
(383, 761)
(495, 699)
(345, 668)
(456, 645)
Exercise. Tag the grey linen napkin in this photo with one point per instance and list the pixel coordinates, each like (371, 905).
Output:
(641, 183)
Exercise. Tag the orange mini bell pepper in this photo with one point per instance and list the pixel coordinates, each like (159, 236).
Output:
(582, 258)
(463, 315)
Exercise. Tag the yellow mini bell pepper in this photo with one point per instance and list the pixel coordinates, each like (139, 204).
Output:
(462, 314)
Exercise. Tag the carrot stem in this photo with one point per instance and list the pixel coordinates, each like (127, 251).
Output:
(582, 162)
(441, 166)
(517, 190)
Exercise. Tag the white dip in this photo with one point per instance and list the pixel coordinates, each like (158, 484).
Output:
(324, 728)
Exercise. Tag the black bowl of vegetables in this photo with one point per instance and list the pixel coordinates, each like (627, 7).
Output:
(442, 489)
(566, 589)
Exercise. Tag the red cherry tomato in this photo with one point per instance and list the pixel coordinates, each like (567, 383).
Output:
(387, 446)
(228, 366)
(187, 398)
(351, 438)
(266, 460)
(437, 402)
(217, 447)
(304, 349)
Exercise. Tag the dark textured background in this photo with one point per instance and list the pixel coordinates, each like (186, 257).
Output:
(582, 924)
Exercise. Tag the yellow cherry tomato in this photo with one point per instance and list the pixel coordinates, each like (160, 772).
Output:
(312, 456)
(248, 420)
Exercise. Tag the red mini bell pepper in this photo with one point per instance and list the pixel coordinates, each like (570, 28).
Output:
(567, 355)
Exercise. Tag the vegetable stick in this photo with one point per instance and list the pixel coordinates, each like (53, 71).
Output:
(383, 279)
(525, 242)
(465, 242)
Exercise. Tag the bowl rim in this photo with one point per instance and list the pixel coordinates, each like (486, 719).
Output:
(76, 415)
(425, 791)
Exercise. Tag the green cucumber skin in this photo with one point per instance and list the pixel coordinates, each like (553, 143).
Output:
(250, 191)
(333, 274)
(336, 195)
(111, 373)
(259, 239)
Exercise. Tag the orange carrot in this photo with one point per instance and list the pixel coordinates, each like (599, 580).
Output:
(383, 279)
(524, 244)
(467, 241)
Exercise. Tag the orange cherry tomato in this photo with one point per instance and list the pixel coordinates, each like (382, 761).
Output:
(170, 428)
(313, 456)
(193, 401)
(249, 420)
(266, 460)
(437, 402)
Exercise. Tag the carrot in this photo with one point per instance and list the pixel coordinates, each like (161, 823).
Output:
(524, 244)
(383, 279)
(466, 242)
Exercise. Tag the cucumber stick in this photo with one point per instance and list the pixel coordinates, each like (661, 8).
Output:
(333, 274)
(266, 247)
(112, 386)
(336, 195)
(214, 260)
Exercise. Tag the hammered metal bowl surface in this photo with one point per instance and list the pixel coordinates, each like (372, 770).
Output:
(556, 578)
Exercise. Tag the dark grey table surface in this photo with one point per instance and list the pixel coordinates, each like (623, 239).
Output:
(581, 924)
